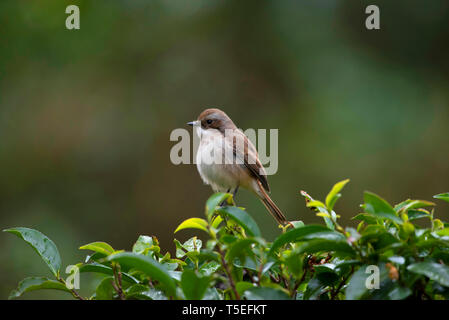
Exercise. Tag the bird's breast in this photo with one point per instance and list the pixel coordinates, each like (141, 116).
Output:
(213, 162)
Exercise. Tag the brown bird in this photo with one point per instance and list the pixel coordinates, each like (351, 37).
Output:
(226, 159)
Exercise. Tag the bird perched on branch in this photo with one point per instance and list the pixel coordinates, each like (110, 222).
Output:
(226, 159)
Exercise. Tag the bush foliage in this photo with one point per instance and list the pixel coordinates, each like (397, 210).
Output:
(390, 255)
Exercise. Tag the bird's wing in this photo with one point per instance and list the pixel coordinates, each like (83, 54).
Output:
(244, 150)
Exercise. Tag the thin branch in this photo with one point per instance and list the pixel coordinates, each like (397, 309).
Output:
(295, 288)
(228, 273)
(342, 283)
(117, 283)
(74, 293)
(259, 274)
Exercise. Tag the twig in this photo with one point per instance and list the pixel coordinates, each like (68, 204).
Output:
(74, 293)
(228, 273)
(295, 288)
(259, 274)
(281, 276)
(117, 282)
(342, 283)
(422, 289)
(273, 278)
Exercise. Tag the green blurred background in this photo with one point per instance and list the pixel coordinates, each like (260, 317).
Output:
(85, 116)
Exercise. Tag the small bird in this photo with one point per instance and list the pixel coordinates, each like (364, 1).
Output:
(226, 159)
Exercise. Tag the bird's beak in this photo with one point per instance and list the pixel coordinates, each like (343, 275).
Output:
(193, 123)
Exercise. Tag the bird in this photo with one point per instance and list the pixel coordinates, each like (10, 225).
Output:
(226, 159)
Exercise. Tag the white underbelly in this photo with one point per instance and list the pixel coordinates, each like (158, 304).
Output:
(220, 175)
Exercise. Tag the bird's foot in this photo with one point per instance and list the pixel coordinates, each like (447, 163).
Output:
(225, 202)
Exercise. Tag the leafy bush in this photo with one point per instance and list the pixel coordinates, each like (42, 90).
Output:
(388, 256)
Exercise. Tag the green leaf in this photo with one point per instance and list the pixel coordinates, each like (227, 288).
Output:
(193, 244)
(334, 194)
(412, 204)
(147, 265)
(345, 265)
(431, 243)
(327, 235)
(369, 219)
(142, 292)
(212, 294)
(357, 289)
(438, 224)
(175, 275)
(388, 289)
(327, 220)
(214, 201)
(297, 224)
(352, 234)
(250, 264)
(417, 214)
(326, 274)
(443, 232)
(399, 293)
(46, 248)
(265, 293)
(340, 247)
(143, 245)
(442, 255)
(442, 196)
(397, 259)
(193, 223)
(208, 255)
(316, 204)
(294, 263)
(180, 253)
(100, 268)
(378, 237)
(216, 222)
(209, 268)
(243, 219)
(242, 286)
(408, 228)
(314, 289)
(98, 246)
(105, 290)
(295, 235)
(95, 257)
(241, 249)
(434, 271)
(193, 285)
(378, 207)
(36, 283)
(323, 215)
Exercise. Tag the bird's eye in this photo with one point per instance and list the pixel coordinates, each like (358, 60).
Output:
(208, 121)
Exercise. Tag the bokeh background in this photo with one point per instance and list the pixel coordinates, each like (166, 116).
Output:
(85, 116)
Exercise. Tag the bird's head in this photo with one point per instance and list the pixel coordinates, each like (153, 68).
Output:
(213, 119)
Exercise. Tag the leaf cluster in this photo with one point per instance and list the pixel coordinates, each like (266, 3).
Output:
(389, 255)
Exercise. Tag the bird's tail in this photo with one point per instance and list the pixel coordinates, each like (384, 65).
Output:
(271, 206)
